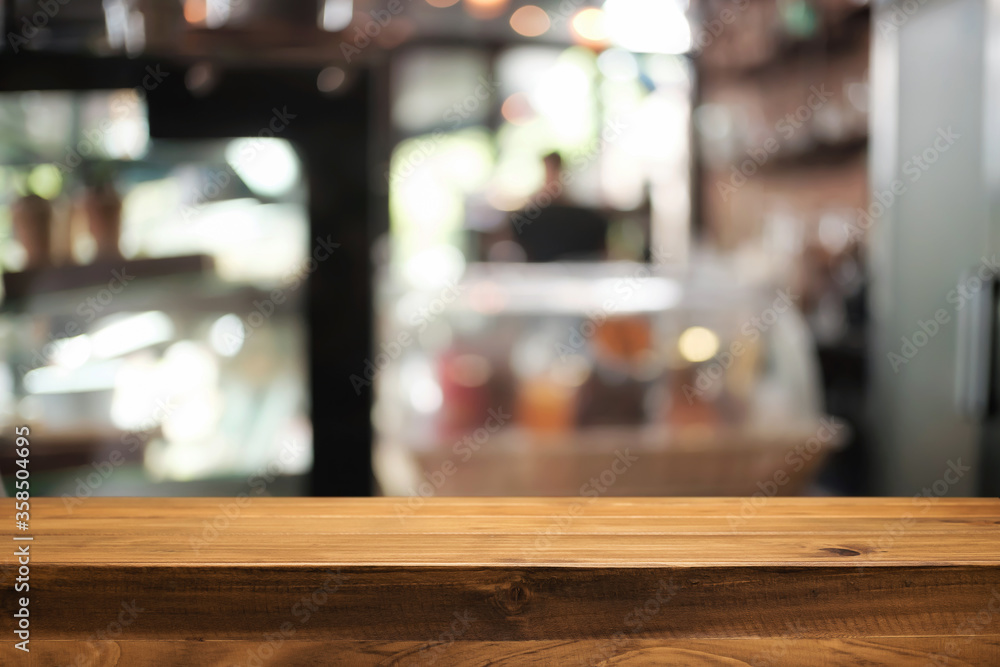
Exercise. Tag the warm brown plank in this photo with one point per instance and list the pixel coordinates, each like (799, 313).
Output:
(528, 525)
(775, 506)
(512, 603)
(233, 548)
(560, 531)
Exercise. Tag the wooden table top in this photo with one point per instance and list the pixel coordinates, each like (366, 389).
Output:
(482, 532)
(537, 581)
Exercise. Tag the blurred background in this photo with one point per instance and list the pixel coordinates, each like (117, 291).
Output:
(500, 247)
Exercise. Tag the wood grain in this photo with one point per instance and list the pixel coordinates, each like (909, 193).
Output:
(511, 581)
(895, 651)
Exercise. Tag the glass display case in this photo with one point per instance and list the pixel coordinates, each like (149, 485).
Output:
(175, 378)
(612, 378)
(173, 361)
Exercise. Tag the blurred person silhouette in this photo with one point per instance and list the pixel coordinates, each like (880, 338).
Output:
(31, 216)
(102, 206)
(551, 229)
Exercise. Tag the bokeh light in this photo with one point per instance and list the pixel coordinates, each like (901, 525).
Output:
(530, 21)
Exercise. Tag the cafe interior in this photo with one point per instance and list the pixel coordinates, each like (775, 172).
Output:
(423, 248)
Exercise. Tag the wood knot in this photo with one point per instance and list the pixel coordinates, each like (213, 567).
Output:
(514, 598)
(840, 551)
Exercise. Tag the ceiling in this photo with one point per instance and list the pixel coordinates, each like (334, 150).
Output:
(289, 31)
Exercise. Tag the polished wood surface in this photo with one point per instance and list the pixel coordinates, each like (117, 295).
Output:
(757, 581)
